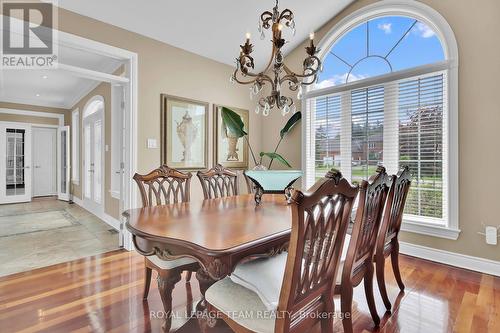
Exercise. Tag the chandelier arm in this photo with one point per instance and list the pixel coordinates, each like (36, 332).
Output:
(265, 20)
(286, 15)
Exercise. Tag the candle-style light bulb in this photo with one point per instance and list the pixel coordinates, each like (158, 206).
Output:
(311, 36)
(280, 27)
(248, 35)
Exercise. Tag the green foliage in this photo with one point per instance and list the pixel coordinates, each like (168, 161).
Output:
(290, 124)
(233, 122)
(277, 157)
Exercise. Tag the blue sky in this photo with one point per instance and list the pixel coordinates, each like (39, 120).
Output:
(419, 47)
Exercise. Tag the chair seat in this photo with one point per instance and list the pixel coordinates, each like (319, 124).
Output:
(338, 279)
(241, 305)
(264, 277)
(170, 264)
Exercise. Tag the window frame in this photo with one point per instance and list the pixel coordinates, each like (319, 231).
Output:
(439, 25)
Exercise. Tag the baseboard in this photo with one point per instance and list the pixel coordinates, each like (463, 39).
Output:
(111, 221)
(454, 259)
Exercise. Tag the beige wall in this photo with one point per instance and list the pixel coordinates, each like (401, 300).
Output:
(166, 69)
(32, 119)
(476, 26)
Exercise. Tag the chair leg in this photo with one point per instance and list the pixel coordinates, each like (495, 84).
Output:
(166, 284)
(327, 322)
(188, 276)
(147, 282)
(380, 262)
(346, 308)
(368, 281)
(395, 265)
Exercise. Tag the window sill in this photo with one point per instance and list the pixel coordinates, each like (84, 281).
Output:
(430, 229)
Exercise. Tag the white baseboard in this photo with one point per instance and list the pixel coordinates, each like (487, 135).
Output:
(454, 259)
(111, 221)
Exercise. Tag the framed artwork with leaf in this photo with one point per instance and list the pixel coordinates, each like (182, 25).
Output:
(184, 133)
(230, 146)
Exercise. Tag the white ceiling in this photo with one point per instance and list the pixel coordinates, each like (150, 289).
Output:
(54, 87)
(211, 28)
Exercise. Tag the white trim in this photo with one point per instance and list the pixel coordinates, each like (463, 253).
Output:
(428, 229)
(91, 75)
(40, 114)
(111, 221)
(440, 26)
(454, 259)
(91, 100)
(75, 147)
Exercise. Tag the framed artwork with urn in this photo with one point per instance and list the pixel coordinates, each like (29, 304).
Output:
(184, 133)
(230, 150)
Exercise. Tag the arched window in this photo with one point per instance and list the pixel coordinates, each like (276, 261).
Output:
(387, 95)
(94, 105)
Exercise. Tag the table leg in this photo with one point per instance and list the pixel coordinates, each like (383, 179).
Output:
(166, 283)
(205, 281)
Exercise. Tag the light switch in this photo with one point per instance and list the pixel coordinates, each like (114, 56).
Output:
(491, 235)
(152, 144)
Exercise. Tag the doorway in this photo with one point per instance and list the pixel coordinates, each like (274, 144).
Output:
(44, 161)
(15, 172)
(93, 155)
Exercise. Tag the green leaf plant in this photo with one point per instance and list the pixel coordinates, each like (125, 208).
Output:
(233, 123)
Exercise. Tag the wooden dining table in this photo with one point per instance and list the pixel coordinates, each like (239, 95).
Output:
(217, 233)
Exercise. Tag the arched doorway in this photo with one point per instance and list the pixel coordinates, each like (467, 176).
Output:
(93, 155)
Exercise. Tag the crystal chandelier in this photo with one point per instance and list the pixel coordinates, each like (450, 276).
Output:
(276, 72)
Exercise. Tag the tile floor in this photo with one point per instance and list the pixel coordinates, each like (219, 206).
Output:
(22, 249)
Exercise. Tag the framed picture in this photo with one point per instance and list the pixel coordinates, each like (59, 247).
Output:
(184, 133)
(230, 151)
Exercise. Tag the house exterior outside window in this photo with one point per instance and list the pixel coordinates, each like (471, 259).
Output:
(387, 96)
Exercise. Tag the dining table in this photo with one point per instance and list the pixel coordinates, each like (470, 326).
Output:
(218, 233)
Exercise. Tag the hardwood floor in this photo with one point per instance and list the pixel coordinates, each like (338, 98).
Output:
(104, 294)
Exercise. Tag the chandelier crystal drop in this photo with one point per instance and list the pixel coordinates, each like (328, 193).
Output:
(276, 72)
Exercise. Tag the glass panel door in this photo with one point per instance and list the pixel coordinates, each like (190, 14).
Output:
(16, 166)
(63, 165)
(94, 162)
(97, 161)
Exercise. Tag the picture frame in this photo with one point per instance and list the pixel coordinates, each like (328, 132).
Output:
(230, 152)
(184, 133)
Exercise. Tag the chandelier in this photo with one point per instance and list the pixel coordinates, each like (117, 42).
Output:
(276, 73)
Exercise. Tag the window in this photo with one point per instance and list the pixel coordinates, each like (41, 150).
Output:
(75, 147)
(383, 98)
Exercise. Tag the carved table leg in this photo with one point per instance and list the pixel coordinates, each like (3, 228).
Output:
(259, 191)
(205, 281)
(166, 284)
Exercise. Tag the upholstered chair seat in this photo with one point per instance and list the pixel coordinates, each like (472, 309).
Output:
(232, 298)
(170, 264)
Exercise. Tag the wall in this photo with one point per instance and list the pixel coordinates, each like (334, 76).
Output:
(476, 26)
(166, 69)
(32, 119)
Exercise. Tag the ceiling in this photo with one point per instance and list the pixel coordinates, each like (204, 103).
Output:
(54, 87)
(213, 29)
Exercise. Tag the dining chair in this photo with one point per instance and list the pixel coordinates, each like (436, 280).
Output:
(357, 258)
(165, 186)
(387, 241)
(298, 285)
(218, 182)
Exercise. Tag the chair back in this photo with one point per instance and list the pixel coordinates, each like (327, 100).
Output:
(395, 205)
(163, 186)
(218, 182)
(366, 226)
(319, 218)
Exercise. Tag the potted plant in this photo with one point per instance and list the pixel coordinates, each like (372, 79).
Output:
(265, 180)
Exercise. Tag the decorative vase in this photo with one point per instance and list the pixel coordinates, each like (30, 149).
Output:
(273, 182)
(187, 132)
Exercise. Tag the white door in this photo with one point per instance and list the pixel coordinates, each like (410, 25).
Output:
(44, 161)
(15, 163)
(93, 172)
(63, 170)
